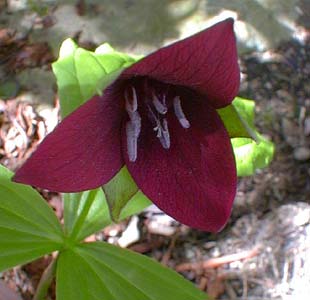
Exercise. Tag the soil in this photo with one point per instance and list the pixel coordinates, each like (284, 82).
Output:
(264, 251)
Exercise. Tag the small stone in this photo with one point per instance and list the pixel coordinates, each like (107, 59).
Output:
(302, 153)
(131, 234)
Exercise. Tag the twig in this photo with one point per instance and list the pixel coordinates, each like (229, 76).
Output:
(218, 261)
(167, 254)
(46, 280)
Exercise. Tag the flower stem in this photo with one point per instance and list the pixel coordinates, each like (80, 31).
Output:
(46, 280)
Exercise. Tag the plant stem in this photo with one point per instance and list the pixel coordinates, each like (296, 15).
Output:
(46, 280)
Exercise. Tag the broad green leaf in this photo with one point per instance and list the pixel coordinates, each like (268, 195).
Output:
(28, 226)
(238, 118)
(251, 155)
(103, 271)
(81, 74)
(85, 213)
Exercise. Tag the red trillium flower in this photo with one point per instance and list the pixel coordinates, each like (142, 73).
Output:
(159, 119)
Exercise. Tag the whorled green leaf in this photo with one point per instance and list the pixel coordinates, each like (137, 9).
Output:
(251, 155)
(28, 226)
(85, 213)
(103, 271)
(81, 74)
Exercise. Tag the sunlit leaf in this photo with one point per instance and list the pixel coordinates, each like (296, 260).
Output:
(238, 118)
(28, 226)
(252, 150)
(103, 271)
(81, 74)
(251, 155)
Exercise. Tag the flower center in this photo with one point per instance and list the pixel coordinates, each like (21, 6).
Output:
(157, 109)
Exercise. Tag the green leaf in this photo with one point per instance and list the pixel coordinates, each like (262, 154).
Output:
(103, 271)
(85, 213)
(28, 226)
(238, 118)
(251, 155)
(81, 74)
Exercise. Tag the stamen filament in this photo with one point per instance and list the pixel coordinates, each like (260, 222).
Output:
(160, 107)
(179, 112)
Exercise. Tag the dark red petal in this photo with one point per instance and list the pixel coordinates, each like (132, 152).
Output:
(195, 180)
(205, 62)
(82, 153)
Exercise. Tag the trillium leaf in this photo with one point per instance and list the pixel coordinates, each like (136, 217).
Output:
(85, 213)
(251, 155)
(103, 271)
(81, 74)
(238, 118)
(28, 226)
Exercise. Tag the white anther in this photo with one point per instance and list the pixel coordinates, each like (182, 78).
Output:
(179, 112)
(132, 141)
(160, 106)
(131, 107)
(165, 136)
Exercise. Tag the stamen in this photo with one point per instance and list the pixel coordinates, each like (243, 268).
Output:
(179, 112)
(160, 107)
(135, 120)
(132, 141)
(131, 107)
(165, 136)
